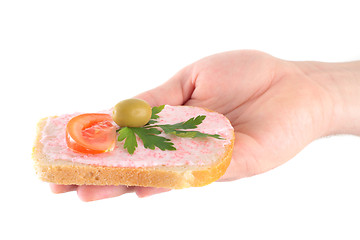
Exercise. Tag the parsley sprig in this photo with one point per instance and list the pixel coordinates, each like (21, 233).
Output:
(149, 134)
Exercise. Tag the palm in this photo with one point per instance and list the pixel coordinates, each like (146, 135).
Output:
(269, 109)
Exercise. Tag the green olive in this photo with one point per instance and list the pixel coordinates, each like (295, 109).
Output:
(132, 113)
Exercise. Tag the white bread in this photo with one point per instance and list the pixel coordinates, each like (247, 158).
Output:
(68, 172)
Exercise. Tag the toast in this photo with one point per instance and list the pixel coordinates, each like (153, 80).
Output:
(196, 162)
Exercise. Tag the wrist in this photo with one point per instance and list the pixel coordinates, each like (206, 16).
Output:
(341, 82)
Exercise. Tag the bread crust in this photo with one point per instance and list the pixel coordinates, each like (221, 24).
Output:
(68, 173)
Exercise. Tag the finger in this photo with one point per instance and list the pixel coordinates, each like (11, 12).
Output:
(56, 188)
(175, 91)
(89, 193)
(149, 191)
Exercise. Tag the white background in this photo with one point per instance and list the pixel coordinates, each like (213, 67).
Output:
(65, 56)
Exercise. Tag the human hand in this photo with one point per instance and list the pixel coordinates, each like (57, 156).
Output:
(275, 107)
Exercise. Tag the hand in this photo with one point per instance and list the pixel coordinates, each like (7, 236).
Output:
(275, 107)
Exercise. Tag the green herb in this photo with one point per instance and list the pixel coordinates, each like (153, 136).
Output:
(176, 129)
(130, 139)
(149, 134)
(194, 134)
(150, 139)
(154, 112)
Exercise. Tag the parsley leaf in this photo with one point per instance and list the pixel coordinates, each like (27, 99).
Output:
(194, 134)
(130, 140)
(155, 111)
(151, 121)
(189, 124)
(150, 139)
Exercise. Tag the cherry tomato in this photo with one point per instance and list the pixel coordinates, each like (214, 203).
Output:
(91, 133)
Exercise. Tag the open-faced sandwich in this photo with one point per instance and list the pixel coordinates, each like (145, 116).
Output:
(136, 145)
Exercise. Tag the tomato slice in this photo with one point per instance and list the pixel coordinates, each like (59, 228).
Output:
(91, 133)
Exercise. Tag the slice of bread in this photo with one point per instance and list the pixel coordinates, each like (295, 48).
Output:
(182, 168)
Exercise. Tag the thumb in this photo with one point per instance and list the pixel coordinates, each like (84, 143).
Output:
(176, 91)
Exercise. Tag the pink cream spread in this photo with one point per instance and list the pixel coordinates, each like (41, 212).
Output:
(190, 151)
